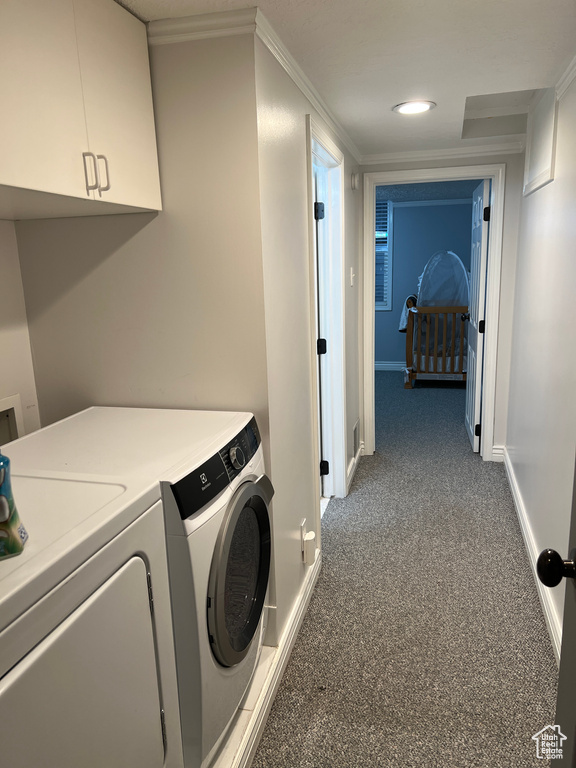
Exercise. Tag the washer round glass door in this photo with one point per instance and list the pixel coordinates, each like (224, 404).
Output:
(239, 574)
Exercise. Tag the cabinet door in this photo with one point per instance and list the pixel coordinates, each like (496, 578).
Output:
(87, 696)
(42, 128)
(113, 53)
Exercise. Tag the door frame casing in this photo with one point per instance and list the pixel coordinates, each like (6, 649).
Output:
(334, 388)
(497, 175)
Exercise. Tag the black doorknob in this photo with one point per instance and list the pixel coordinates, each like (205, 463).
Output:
(551, 568)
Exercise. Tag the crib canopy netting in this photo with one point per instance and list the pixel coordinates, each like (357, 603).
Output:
(444, 282)
(436, 344)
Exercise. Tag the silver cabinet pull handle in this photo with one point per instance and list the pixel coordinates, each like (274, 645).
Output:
(96, 184)
(107, 187)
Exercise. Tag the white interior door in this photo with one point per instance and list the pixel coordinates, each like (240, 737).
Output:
(327, 188)
(478, 268)
(322, 326)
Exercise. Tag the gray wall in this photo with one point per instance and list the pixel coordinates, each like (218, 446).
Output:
(162, 310)
(419, 230)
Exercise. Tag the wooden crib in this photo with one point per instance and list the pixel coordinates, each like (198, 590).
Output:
(436, 344)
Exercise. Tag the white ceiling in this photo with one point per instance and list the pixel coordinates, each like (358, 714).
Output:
(365, 56)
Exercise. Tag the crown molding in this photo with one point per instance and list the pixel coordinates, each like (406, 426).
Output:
(202, 26)
(247, 21)
(484, 150)
(566, 79)
(271, 40)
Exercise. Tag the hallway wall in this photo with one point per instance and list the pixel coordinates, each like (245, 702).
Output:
(288, 273)
(542, 416)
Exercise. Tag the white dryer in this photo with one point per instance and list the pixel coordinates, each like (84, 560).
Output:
(219, 546)
(90, 610)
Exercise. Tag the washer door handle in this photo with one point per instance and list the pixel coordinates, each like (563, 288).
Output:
(265, 486)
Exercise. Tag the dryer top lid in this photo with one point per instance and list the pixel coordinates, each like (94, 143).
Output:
(120, 444)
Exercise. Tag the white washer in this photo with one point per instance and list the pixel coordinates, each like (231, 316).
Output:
(75, 617)
(219, 546)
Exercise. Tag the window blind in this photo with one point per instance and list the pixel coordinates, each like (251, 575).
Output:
(383, 276)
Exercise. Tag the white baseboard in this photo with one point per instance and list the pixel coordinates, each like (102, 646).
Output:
(352, 467)
(498, 453)
(390, 366)
(553, 621)
(243, 741)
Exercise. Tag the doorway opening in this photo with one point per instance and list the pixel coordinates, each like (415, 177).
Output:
(429, 243)
(495, 175)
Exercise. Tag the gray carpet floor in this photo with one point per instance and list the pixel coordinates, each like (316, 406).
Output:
(424, 644)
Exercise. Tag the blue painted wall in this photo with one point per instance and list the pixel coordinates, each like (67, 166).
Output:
(418, 232)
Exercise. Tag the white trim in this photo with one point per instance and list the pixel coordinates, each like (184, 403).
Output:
(390, 366)
(541, 134)
(352, 467)
(553, 621)
(498, 453)
(566, 79)
(201, 27)
(252, 734)
(430, 155)
(418, 203)
(14, 401)
(240, 22)
(539, 181)
(497, 173)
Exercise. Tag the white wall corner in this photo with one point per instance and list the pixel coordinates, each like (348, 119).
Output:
(553, 621)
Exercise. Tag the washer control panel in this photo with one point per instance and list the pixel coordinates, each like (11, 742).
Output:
(208, 480)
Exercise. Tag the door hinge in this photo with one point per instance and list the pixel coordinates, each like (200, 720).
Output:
(163, 724)
(477, 430)
(324, 467)
(481, 326)
(318, 211)
(321, 346)
(150, 595)
(487, 213)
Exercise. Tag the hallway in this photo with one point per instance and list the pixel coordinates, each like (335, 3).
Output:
(424, 643)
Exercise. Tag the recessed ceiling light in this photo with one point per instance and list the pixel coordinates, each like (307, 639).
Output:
(413, 107)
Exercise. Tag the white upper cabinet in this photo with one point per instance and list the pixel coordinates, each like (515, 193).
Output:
(77, 115)
(42, 128)
(113, 54)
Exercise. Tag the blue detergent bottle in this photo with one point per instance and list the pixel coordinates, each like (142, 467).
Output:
(13, 535)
